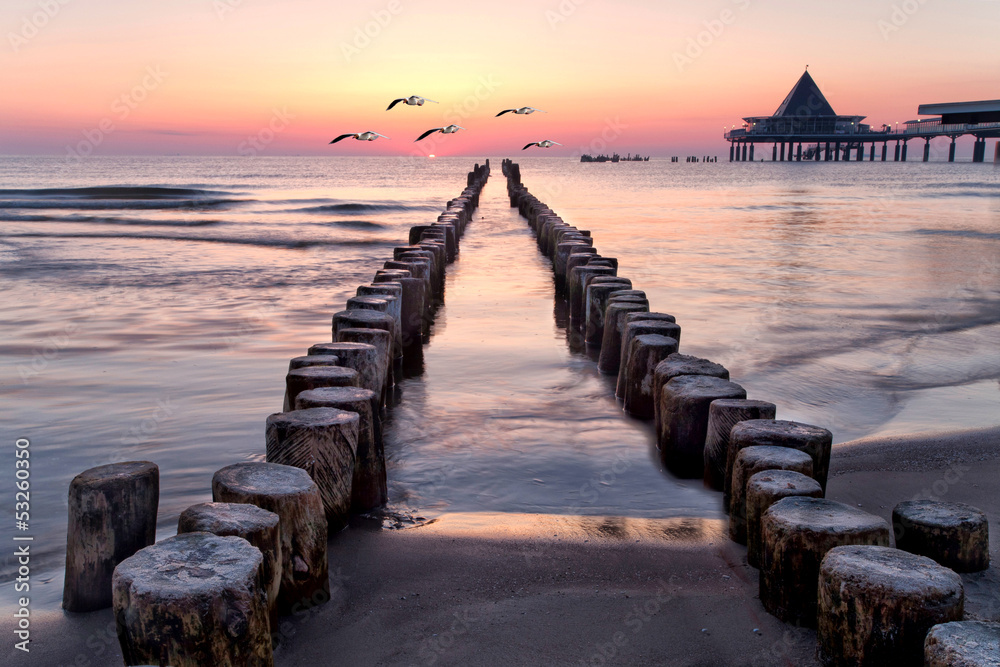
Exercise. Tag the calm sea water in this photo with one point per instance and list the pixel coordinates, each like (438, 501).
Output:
(150, 306)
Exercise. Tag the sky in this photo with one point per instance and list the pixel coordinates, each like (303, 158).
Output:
(269, 77)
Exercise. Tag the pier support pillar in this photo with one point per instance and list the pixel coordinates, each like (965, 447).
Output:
(819, 150)
(836, 152)
(774, 153)
(751, 151)
(782, 155)
(798, 153)
(730, 151)
(885, 149)
(827, 158)
(927, 149)
(951, 150)
(979, 150)
(996, 153)
(896, 156)
(744, 152)
(904, 152)
(861, 151)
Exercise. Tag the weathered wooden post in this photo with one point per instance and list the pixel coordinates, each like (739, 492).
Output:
(645, 351)
(313, 377)
(324, 443)
(683, 416)
(596, 296)
(955, 535)
(796, 533)
(877, 604)
(255, 525)
(575, 284)
(766, 488)
(313, 360)
(813, 440)
(722, 416)
(191, 600)
(751, 461)
(369, 488)
(381, 340)
(634, 325)
(290, 493)
(681, 364)
(112, 514)
(393, 291)
(611, 351)
(962, 643)
(414, 298)
(366, 359)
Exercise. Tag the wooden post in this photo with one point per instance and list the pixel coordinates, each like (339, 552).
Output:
(112, 514)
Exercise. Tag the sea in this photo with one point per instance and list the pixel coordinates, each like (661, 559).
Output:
(150, 306)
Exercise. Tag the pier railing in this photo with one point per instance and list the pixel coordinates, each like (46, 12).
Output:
(922, 128)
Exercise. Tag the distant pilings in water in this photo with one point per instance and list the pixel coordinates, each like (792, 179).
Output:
(325, 461)
(693, 402)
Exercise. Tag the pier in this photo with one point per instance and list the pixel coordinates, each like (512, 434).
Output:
(805, 127)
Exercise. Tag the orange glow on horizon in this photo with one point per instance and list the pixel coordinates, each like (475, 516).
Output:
(278, 78)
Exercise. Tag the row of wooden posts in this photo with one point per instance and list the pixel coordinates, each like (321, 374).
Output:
(213, 594)
(822, 564)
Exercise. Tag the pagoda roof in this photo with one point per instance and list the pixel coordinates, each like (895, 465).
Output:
(805, 99)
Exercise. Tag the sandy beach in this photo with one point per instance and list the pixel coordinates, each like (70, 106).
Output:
(518, 589)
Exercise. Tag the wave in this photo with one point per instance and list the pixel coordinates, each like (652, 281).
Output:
(958, 193)
(357, 207)
(986, 185)
(963, 233)
(117, 204)
(113, 192)
(353, 224)
(264, 242)
(102, 220)
(115, 197)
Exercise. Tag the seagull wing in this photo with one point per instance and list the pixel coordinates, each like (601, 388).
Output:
(427, 99)
(428, 132)
(503, 112)
(395, 102)
(534, 143)
(343, 136)
(380, 135)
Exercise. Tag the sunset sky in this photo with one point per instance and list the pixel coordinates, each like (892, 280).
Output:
(232, 77)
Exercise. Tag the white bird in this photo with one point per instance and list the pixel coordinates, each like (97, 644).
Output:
(449, 129)
(412, 100)
(360, 136)
(519, 110)
(543, 144)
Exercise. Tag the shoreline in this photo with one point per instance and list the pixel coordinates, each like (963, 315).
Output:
(490, 588)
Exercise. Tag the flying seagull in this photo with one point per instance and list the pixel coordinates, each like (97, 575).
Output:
(519, 110)
(360, 136)
(412, 100)
(543, 144)
(450, 129)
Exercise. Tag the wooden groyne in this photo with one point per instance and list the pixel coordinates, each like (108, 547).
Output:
(260, 549)
(325, 461)
(822, 564)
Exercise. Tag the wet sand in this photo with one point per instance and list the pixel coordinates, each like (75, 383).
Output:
(490, 589)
